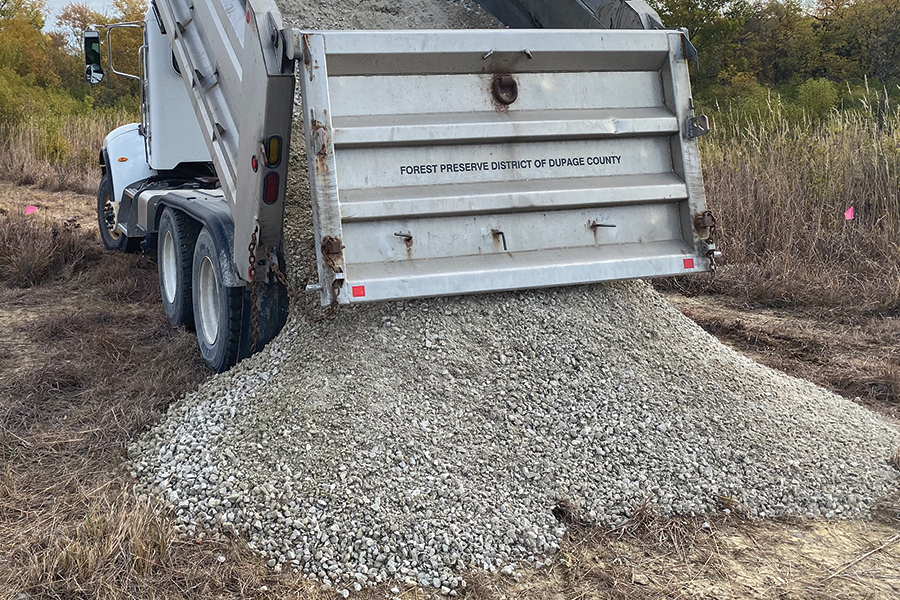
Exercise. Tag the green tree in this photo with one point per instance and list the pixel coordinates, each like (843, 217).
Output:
(784, 41)
(715, 27)
(871, 32)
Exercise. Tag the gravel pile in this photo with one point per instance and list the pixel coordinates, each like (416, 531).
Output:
(408, 442)
(415, 440)
(385, 14)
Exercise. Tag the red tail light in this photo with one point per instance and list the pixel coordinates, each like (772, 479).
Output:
(270, 195)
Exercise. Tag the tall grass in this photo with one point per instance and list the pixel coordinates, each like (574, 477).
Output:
(781, 187)
(57, 153)
(34, 250)
(780, 183)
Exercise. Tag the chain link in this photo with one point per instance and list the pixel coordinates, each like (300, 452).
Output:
(295, 296)
(254, 308)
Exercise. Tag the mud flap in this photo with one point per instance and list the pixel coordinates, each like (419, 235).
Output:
(273, 302)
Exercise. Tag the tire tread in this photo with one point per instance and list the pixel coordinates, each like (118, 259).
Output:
(186, 231)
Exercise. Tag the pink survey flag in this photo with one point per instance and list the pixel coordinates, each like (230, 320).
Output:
(30, 210)
(849, 214)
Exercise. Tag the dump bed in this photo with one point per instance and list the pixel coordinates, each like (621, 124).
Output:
(455, 162)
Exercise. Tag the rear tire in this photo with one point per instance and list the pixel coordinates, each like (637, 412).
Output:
(217, 308)
(175, 258)
(112, 237)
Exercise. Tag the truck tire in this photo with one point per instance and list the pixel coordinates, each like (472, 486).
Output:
(218, 310)
(174, 259)
(111, 237)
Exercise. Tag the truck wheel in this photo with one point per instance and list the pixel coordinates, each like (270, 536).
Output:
(217, 308)
(110, 234)
(175, 255)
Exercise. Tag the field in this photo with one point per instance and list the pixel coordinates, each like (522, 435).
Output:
(89, 361)
(802, 170)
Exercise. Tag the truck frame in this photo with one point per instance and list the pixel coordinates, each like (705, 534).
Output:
(440, 162)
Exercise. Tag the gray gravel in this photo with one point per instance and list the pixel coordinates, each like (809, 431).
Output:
(385, 14)
(412, 441)
(415, 440)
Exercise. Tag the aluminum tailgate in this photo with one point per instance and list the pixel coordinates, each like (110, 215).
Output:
(426, 182)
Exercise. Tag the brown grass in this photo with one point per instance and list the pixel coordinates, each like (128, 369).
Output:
(33, 249)
(780, 190)
(57, 154)
(88, 360)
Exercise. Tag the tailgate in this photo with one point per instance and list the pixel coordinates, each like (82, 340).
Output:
(456, 162)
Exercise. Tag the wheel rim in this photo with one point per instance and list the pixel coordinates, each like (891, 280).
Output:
(168, 267)
(208, 293)
(110, 218)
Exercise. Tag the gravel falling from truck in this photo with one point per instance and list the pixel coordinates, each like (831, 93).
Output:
(411, 441)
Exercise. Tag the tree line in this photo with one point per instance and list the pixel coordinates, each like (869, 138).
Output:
(816, 57)
(42, 73)
(835, 48)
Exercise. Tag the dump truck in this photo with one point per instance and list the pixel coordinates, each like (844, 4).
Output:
(440, 162)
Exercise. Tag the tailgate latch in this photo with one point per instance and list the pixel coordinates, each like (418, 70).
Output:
(696, 126)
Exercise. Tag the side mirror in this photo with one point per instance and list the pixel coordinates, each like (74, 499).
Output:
(93, 72)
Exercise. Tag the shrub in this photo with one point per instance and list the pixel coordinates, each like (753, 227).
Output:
(33, 250)
(817, 97)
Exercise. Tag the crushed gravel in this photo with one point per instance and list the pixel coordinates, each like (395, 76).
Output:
(385, 14)
(415, 440)
(408, 442)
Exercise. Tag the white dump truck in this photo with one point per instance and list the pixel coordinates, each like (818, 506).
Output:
(440, 162)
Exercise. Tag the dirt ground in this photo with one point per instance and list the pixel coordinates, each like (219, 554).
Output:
(857, 356)
(87, 361)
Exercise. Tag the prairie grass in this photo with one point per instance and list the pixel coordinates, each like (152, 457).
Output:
(57, 153)
(33, 250)
(780, 188)
(88, 361)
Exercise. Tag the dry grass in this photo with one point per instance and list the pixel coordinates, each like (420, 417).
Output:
(33, 249)
(651, 557)
(88, 361)
(57, 154)
(780, 190)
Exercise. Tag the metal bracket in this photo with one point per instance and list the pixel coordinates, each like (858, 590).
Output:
(696, 126)
(690, 51)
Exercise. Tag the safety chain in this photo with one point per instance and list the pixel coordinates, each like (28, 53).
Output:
(706, 220)
(294, 295)
(254, 309)
(711, 254)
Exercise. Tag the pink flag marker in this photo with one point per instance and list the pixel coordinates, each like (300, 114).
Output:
(30, 210)
(849, 214)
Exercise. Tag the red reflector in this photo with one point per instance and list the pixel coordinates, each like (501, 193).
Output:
(255, 164)
(359, 291)
(248, 16)
(271, 188)
(689, 263)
